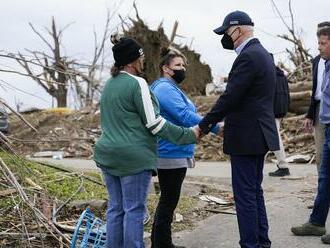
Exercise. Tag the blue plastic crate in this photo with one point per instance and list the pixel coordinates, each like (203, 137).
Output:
(90, 232)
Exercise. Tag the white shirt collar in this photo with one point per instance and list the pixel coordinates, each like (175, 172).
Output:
(239, 49)
(320, 72)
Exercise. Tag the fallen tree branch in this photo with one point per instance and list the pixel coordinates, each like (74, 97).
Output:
(19, 115)
(38, 214)
(60, 168)
(299, 138)
(301, 95)
(220, 211)
(69, 199)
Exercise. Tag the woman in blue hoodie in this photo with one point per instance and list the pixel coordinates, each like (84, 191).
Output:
(173, 160)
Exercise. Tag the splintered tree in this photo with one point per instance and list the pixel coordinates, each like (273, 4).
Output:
(198, 73)
(299, 55)
(300, 75)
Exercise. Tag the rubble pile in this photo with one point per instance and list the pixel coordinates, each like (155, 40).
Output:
(296, 140)
(300, 94)
(75, 133)
(71, 133)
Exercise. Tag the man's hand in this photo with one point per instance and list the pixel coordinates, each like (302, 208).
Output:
(308, 125)
(221, 128)
(197, 132)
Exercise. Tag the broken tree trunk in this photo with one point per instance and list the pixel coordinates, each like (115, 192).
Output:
(299, 138)
(300, 86)
(301, 95)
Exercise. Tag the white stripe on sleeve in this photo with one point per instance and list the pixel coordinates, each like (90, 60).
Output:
(155, 122)
(159, 127)
(146, 100)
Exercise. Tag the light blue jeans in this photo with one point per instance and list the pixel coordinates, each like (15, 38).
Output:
(126, 207)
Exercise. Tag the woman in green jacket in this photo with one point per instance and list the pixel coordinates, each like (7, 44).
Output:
(127, 149)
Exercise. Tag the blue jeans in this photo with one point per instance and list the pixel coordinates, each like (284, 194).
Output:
(252, 219)
(322, 200)
(126, 207)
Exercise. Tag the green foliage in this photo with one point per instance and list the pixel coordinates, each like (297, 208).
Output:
(58, 184)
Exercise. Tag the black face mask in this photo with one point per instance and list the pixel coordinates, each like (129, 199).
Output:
(227, 42)
(179, 75)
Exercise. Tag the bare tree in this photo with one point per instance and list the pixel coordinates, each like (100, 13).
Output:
(58, 74)
(88, 82)
(53, 77)
(299, 55)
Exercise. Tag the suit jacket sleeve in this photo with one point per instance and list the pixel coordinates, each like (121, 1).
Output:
(240, 79)
(312, 107)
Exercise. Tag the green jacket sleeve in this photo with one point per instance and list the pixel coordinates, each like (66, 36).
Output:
(148, 109)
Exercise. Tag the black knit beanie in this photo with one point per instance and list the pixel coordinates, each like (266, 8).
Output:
(126, 51)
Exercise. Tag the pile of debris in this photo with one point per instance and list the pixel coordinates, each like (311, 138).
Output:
(70, 134)
(74, 134)
(300, 95)
(296, 140)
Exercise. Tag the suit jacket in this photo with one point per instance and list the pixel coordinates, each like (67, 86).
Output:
(311, 113)
(247, 104)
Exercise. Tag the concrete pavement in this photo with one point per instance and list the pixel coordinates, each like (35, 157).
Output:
(203, 169)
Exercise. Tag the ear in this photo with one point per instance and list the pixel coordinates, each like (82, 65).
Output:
(165, 68)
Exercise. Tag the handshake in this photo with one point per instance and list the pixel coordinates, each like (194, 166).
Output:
(199, 134)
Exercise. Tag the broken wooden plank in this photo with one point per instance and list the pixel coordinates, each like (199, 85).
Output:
(218, 211)
(7, 192)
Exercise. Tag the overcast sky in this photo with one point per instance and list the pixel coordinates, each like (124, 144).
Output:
(196, 19)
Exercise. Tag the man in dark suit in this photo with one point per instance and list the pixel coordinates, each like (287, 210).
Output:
(312, 119)
(250, 129)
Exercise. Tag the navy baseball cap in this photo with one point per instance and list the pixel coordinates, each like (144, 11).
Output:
(234, 18)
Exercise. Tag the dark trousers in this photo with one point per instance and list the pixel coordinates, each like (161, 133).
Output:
(170, 182)
(322, 200)
(249, 200)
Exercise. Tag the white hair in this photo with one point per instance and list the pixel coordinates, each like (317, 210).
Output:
(248, 27)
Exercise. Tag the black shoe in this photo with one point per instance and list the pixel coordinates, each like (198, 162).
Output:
(280, 172)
